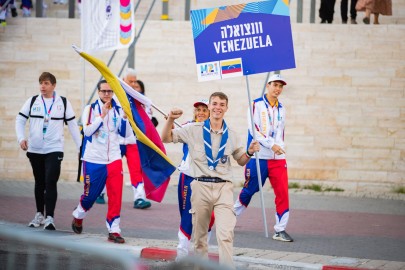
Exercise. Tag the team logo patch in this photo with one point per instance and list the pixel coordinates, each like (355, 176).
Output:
(208, 71)
(87, 185)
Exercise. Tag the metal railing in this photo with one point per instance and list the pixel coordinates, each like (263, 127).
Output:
(40, 249)
(300, 11)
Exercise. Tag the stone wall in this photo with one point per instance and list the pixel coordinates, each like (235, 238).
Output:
(345, 99)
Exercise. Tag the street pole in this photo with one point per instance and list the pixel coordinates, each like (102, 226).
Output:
(72, 9)
(39, 9)
(187, 11)
(165, 10)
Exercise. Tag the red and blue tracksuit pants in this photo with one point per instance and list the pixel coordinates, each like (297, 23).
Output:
(96, 176)
(184, 195)
(276, 171)
(130, 151)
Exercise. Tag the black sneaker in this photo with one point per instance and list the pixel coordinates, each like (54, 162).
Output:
(14, 12)
(366, 20)
(77, 225)
(282, 236)
(100, 199)
(116, 238)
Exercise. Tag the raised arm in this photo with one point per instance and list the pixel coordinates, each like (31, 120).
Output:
(166, 133)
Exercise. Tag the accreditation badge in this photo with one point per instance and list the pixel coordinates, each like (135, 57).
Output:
(102, 137)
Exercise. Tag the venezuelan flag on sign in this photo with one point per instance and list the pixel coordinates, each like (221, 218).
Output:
(232, 66)
(156, 166)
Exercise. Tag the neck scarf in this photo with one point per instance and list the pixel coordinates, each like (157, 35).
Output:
(212, 164)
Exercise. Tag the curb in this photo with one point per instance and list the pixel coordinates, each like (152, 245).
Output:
(153, 253)
(338, 267)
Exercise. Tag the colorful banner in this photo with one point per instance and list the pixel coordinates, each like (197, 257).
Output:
(244, 39)
(107, 24)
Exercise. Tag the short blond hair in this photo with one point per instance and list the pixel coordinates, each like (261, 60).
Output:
(221, 95)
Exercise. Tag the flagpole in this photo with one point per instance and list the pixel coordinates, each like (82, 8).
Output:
(259, 177)
(164, 114)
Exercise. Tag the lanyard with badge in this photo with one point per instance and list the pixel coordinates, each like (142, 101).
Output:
(212, 164)
(270, 113)
(102, 135)
(47, 113)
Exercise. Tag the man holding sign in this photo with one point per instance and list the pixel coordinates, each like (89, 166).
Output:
(269, 122)
(211, 143)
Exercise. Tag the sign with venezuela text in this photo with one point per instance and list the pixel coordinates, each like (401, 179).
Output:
(244, 39)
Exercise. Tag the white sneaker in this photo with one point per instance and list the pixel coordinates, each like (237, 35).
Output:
(282, 236)
(26, 12)
(183, 246)
(38, 220)
(49, 225)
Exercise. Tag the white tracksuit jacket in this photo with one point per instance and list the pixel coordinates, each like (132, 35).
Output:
(269, 125)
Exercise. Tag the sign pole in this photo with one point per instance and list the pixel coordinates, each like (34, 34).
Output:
(259, 177)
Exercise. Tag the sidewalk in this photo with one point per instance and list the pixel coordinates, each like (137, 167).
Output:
(321, 237)
(253, 258)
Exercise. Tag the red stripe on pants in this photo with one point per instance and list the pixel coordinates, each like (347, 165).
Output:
(134, 164)
(279, 181)
(114, 184)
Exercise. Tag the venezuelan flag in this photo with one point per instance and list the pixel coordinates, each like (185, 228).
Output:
(231, 66)
(156, 166)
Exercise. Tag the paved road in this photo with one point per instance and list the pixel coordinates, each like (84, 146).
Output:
(363, 228)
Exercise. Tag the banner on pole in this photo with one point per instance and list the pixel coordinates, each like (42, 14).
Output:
(107, 24)
(244, 39)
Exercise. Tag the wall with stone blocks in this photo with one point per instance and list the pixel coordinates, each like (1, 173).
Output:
(345, 99)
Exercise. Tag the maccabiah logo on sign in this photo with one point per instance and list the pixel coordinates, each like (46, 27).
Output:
(209, 71)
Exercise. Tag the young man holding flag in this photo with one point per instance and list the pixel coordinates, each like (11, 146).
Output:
(156, 166)
(211, 143)
(103, 122)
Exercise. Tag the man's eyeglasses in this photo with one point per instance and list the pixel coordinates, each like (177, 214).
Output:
(106, 91)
